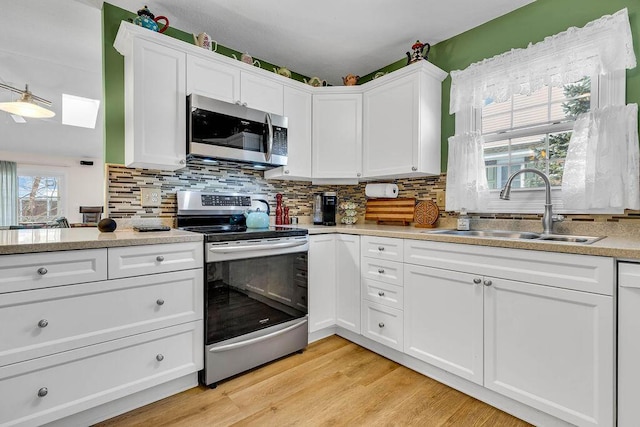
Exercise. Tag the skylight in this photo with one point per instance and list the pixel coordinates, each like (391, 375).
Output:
(79, 111)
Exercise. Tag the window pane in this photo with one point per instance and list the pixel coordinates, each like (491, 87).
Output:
(39, 198)
(527, 115)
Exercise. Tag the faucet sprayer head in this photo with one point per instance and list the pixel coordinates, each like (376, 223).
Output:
(505, 193)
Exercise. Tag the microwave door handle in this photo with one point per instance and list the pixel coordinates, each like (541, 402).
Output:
(269, 138)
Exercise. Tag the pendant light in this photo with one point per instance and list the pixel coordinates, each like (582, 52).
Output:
(26, 106)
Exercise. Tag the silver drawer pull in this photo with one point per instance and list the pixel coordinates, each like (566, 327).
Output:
(381, 270)
(159, 258)
(477, 280)
(43, 392)
(160, 301)
(381, 325)
(42, 271)
(159, 357)
(488, 283)
(380, 293)
(43, 323)
(381, 248)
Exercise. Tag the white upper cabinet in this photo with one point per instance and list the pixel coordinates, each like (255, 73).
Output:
(297, 108)
(337, 135)
(155, 103)
(215, 79)
(402, 123)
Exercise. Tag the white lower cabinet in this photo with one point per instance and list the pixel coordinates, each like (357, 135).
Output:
(83, 340)
(334, 282)
(548, 346)
(322, 282)
(443, 318)
(382, 324)
(348, 282)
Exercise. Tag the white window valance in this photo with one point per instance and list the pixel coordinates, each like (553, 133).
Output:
(602, 46)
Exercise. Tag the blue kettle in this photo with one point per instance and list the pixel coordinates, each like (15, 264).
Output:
(257, 218)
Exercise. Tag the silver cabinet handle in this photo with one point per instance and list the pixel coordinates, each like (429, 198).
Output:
(381, 293)
(413, 168)
(487, 282)
(381, 248)
(238, 102)
(381, 270)
(358, 174)
(43, 392)
(182, 161)
(477, 280)
(160, 301)
(244, 104)
(43, 323)
(159, 357)
(159, 258)
(42, 271)
(381, 325)
(286, 172)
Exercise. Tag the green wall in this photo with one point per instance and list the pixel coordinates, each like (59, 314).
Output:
(531, 23)
(113, 74)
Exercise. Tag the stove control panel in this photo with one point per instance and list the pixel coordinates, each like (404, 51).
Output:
(225, 200)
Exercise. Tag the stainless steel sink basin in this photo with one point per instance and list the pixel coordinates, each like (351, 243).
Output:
(570, 239)
(506, 234)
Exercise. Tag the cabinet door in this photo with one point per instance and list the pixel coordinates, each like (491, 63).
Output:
(297, 108)
(348, 282)
(382, 324)
(391, 128)
(551, 349)
(261, 93)
(443, 319)
(213, 79)
(628, 344)
(322, 282)
(155, 107)
(337, 136)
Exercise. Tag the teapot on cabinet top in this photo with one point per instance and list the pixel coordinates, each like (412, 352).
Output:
(148, 20)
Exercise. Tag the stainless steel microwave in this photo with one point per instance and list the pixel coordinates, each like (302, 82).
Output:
(221, 130)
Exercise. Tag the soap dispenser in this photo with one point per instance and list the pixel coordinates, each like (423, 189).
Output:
(463, 220)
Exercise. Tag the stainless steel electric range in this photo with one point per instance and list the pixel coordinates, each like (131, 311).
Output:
(255, 284)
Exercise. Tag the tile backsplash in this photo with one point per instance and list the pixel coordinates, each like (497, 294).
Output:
(124, 184)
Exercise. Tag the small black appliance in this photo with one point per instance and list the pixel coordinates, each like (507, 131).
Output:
(329, 206)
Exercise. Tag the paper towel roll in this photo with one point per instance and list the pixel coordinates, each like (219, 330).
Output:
(389, 191)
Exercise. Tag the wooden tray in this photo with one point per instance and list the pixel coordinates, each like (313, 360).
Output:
(390, 210)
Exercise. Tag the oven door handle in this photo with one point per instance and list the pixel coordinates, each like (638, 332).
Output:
(257, 339)
(262, 247)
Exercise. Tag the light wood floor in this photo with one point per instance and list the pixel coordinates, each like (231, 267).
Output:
(333, 383)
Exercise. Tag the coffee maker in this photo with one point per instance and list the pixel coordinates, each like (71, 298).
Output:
(329, 206)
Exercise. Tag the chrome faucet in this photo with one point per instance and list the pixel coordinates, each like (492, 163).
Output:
(547, 219)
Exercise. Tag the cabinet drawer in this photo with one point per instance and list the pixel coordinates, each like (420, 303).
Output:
(46, 269)
(383, 271)
(77, 380)
(59, 319)
(382, 248)
(382, 324)
(139, 260)
(383, 293)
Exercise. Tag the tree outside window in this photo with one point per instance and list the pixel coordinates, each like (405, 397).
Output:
(38, 198)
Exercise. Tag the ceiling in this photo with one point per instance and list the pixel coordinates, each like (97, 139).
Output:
(329, 38)
(60, 50)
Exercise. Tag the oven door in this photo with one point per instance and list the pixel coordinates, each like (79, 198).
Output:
(255, 304)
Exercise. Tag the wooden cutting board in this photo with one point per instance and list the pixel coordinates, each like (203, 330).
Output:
(390, 210)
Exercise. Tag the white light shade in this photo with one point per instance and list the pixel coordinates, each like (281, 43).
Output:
(79, 111)
(26, 109)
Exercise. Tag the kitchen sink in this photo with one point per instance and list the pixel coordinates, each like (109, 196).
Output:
(526, 235)
(504, 234)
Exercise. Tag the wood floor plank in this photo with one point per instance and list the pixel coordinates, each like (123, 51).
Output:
(333, 383)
